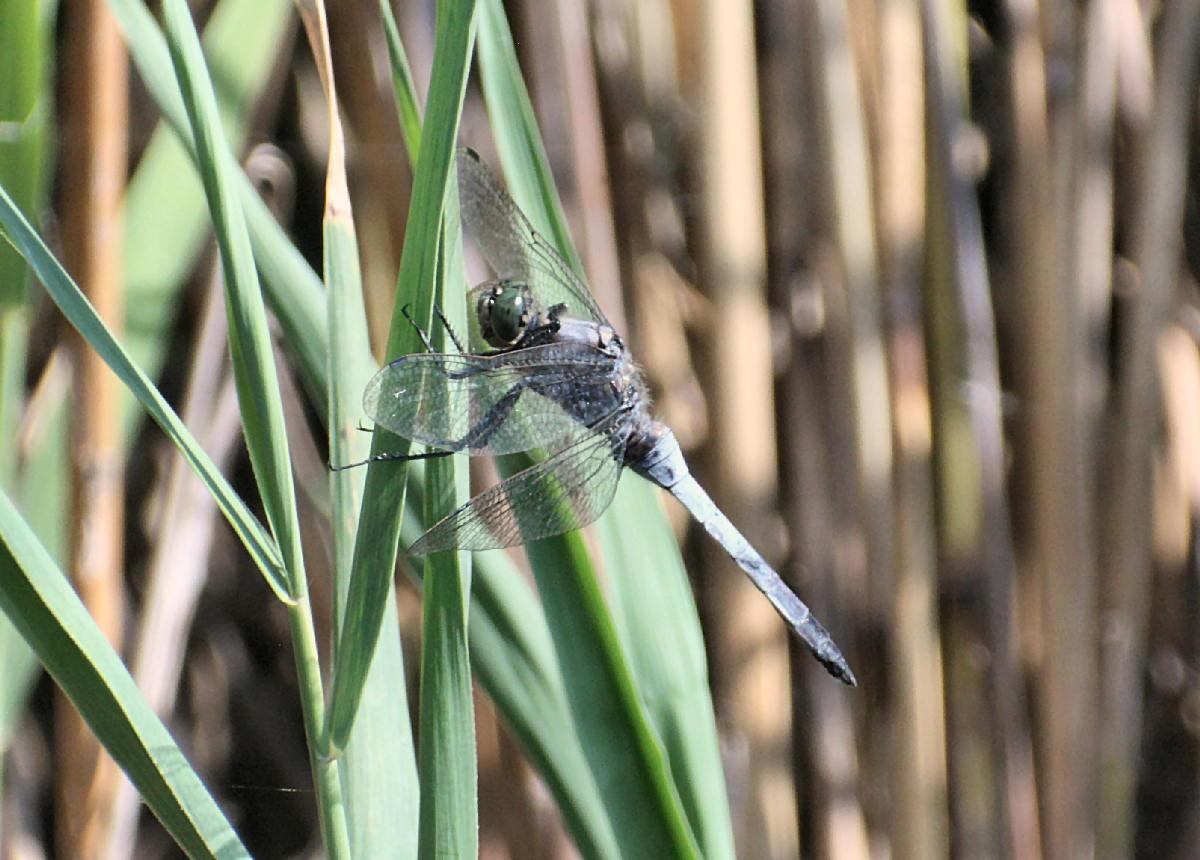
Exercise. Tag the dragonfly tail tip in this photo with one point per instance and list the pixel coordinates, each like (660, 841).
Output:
(835, 664)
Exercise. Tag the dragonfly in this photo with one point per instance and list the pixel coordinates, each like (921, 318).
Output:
(544, 370)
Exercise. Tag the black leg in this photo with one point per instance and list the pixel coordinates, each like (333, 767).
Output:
(425, 335)
(476, 437)
(420, 331)
(389, 458)
(449, 330)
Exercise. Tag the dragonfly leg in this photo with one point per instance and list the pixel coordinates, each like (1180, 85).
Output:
(425, 335)
(552, 324)
(387, 457)
(449, 329)
(477, 436)
(420, 331)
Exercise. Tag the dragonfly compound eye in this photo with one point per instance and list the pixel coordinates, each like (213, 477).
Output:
(504, 313)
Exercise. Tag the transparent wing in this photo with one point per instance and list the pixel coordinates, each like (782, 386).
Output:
(512, 247)
(566, 491)
(499, 404)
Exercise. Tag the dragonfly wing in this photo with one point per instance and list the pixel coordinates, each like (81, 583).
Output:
(512, 247)
(499, 404)
(566, 491)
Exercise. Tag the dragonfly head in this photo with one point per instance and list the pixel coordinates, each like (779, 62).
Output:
(504, 312)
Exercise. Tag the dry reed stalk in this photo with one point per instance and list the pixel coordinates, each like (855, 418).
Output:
(94, 165)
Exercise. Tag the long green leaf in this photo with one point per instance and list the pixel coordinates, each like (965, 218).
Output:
(250, 338)
(379, 775)
(449, 777)
(510, 645)
(628, 752)
(383, 496)
(39, 601)
(80, 313)
(626, 759)
(402, 83)
(513, 654)
(379, 772)
(165, 217)
(656, 617)
(292, 287)
(23, 115)
(258, 392)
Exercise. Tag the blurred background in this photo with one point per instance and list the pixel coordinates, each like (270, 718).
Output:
(913, 282)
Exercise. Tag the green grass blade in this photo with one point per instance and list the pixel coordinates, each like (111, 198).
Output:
(626, 759)
(383, 496)
(80, 313)
(290, 284)
(379, 772)
(250, 339)
(523, 155)
(407, 104)
(165, 217)
(379, 769)
(513, 655)
(37, 598)
(656, 616)
(23, 118)
(258, 392)
(449, 777)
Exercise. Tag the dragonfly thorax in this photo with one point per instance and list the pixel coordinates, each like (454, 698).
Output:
(504, 313)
